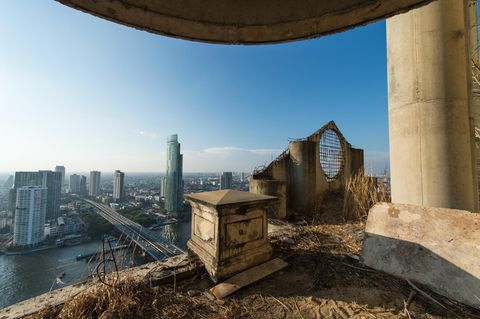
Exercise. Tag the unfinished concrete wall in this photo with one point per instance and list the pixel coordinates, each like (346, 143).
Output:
(275, 188)
(309, 167)
(303, 169)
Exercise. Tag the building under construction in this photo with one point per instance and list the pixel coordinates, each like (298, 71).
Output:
(307, 168)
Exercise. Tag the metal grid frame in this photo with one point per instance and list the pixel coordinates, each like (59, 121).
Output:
(332, 154)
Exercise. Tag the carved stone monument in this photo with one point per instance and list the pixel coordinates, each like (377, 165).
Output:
(229, 230)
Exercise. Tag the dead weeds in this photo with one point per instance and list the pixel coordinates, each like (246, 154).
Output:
(324, 279)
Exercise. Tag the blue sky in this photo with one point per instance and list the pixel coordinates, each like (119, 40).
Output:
(91, 94)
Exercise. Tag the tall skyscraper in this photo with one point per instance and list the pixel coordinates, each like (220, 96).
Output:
(226, 180)
(242, 177)
(53, 182)
(30, 211)
(61, 170)
(83, 185)
(50, 180)
(118, 186)
(174, 183)
(21, 179)
(9, 182)
(74, 184)
(94, 183)
(162, 186)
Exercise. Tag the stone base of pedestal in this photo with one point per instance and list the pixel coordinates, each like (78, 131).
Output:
(224, 269)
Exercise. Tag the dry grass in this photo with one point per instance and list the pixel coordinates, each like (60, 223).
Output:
(125, 299)
(361, 193)
(322, 281)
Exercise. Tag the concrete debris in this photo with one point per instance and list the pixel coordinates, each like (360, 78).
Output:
(247, 277)
(436, 247)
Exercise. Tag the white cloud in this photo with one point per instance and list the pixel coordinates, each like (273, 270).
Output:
(147, 134)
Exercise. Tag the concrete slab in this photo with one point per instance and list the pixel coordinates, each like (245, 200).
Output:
(247, 277)
(437, 247)
(249, 22)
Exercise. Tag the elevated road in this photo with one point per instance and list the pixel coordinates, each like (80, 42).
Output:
(143, 237)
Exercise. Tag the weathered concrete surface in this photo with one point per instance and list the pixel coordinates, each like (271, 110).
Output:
(247, 277)
(246, 21)
(273, 188)
(431, 157)
(299, 168)
(304, 163)
(437, 247)
(229, 230)
(473, 60)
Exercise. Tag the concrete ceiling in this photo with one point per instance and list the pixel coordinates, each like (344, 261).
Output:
(243, 21)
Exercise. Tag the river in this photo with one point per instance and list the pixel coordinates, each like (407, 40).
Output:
(26, 276)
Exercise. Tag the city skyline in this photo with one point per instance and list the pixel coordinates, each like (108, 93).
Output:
(234, 106)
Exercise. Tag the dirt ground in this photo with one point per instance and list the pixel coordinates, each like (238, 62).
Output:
(324, 279)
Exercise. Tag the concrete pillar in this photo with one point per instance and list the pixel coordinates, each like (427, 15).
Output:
(428, 97)
(303, 173)
(474, 85)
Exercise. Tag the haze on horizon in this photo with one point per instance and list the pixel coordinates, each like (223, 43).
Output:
(79, 91)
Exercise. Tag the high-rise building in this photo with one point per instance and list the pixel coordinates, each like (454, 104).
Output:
(226, 180)
(174, 183)
(94, 183)
(53, 182)
(162, 186)
(74, 184)
(30, 211)
(9, 182)
(242, 177)
(83, 185)
(50, 180)
(118, 186)
(61, 170)
(21, 179)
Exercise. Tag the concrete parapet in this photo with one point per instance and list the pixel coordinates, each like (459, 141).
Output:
(437, 247)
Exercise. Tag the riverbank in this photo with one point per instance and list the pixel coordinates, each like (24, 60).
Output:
(67, 242)
(26, 275)
(28, 251)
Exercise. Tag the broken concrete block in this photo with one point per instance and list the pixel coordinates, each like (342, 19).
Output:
(437, 247)
(247, 277)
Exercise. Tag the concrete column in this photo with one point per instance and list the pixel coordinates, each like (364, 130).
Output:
(303, 173)
(429, 111)
(472, 11)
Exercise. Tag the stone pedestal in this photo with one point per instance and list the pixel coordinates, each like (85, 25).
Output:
(229, 230)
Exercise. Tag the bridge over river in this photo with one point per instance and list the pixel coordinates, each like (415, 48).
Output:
(146, 239)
